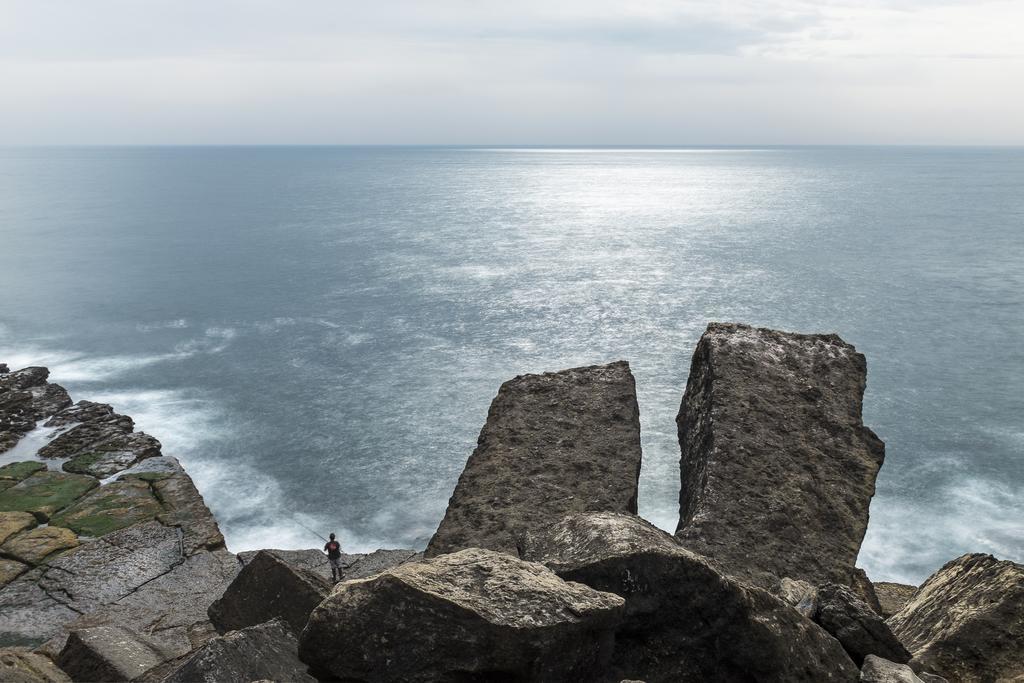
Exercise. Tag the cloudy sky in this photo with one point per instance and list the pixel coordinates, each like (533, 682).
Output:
(529, 71)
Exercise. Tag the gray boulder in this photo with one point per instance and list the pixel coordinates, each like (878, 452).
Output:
(879, 670)
(553, 444)
(109, 653)
(470, 615)
(685, 620)
(966, 622)
(856, 626)
(262, 652)
(265, 589)
(777, 467)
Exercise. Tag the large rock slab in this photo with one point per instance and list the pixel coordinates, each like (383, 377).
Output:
(553, 444)
(267, 588)
(110, 507)
(90, 425)
(893, 596)
(45, 493)
(859, 629)
(469, 615)
(109, 653)
(19, 471)
(966, 622)
(185, 508)
(263, 652)
(685, 620)
(777, 467)
(114, 455)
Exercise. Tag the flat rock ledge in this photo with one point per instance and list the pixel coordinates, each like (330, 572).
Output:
(552, 444)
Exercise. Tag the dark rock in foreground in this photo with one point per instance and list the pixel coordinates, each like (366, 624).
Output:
(470, 615)
(685, 620)
(262, 652)
(109, 653)
(19, 665)
(553, 444)
(966, 622)
(857, 627)
(265, 589)
(893, 596)
(777, 467)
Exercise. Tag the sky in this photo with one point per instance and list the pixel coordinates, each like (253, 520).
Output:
(525, 72)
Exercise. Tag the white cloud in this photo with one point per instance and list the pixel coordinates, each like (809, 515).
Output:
(480, 72)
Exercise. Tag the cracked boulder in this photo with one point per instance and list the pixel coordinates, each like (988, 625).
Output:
(552, 444)
(108, 508)
(966, 622)
(777, 466)
(265, 651)
(267, 588)
(109, 653)
(859, 629)
(470, 615)
(685, 620)
(45, 493)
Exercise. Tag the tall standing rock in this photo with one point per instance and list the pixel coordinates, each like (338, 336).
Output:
(966, 622)
(777, 467)
(553, 444)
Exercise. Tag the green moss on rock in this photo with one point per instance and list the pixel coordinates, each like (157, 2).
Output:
(45, 493)
(109, 508)
(17, 471)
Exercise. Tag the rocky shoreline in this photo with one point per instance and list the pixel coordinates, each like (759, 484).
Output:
(112, 568)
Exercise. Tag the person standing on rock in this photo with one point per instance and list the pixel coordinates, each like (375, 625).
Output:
(333, 550)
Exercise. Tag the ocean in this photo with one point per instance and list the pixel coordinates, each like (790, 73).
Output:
(317, 332)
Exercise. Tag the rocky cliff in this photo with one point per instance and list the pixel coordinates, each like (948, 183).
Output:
(113, 568)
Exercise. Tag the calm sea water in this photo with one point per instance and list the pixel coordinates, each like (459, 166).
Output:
(317, 332)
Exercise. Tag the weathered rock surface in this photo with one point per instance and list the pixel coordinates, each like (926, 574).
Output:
(93, 424)
(110, 507)
(685, 620)
(777, 467)
(10, 570)
(262, 652)
(858, 628)
(19, 471)
(19, 665)
(184, 507)
(110, 457)
(802, 596)
(893, 596)
(470, 615)
(12, 523)
(32, 547)
(865, 590)
(25, 397)
(267, 588)
(553, 444)
(153, 469)
(879, 670)
(109, 653)
(966, 622)
(45, 493)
